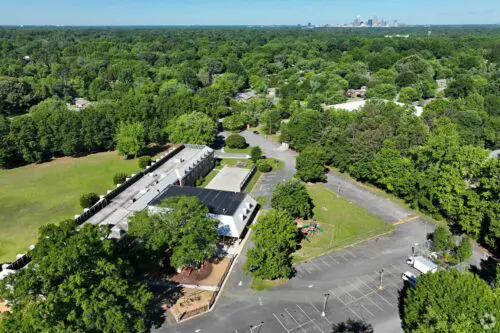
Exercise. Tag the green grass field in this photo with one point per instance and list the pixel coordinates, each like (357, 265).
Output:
(237, 151)
(272, 137)
(342, 223)
(34, 195)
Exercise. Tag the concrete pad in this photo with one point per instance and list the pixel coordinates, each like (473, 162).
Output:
(229, 179)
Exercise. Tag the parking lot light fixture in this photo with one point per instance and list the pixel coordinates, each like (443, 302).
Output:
(325, 300)
(381, 286)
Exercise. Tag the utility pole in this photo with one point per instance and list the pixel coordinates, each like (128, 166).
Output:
(381, 276)
(259, 326)
(323, 314)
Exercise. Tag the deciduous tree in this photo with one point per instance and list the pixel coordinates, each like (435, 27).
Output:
(76, 282)
(130, 138)
(274, 238)
(450, 301)
(292, 196)
(195, 128)
(311, 164)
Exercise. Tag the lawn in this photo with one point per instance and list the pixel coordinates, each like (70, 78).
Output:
(252, 182)
(260, 284)
(37, 194)
(342, 223)
(237, 151)
(234, 161)
(271, 137)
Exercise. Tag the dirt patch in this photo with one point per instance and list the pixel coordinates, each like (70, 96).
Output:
(4, 307)
(190, 303)
(324, 209)
(210, 275)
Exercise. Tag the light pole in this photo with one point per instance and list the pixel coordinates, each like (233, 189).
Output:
(257, 326)
(324, 304)
(381, 276)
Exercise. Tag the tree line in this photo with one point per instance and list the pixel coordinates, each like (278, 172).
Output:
(155, 76)
(424, 160)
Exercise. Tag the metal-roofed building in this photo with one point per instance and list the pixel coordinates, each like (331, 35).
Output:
(185, 167)
(234, 210)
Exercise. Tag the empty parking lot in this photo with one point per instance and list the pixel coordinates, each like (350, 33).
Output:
(351, 278)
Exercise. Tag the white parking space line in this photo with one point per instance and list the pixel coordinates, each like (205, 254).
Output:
(346, 292)
(357, 315)
(295, 320)
(364, 307)
(305, 268)
(341, 301)
(316, 325)
(311, 262)
(350, 253)
(333, 258)
(343, 257)
(370, 294)
(382, 297)
(380, 308)
(315, 308)
(279, 321)
(301, 326)
(324, 262)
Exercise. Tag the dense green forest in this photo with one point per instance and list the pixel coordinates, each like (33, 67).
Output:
(158, 85)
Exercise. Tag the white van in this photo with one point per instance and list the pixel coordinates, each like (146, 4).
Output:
(410, 278)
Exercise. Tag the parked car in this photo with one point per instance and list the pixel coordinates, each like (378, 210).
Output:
(410, 278)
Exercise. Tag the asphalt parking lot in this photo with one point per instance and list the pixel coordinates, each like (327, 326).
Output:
(357, 297)
(350, 276)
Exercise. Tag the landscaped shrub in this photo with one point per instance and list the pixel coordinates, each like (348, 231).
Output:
(263, 166)
(119, 178)
(255, 154)
(200, 181)
(144, 161)
(88, 199)
(236, 141)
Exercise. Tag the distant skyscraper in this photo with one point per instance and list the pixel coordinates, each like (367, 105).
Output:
(375, 21)
(357, 21)
(370, 23)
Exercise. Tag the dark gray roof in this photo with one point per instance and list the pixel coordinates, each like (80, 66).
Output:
(218, 202)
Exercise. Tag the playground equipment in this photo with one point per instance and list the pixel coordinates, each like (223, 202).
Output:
(309, 230)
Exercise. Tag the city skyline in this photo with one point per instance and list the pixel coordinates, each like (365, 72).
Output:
(233, 12)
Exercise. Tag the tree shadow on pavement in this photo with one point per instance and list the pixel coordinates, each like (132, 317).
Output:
(487, 270)
(403, 292)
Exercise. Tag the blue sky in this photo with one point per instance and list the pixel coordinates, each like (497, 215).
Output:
(237, 12)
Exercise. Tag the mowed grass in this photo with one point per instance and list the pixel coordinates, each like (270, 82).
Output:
(34, 195)
(343, 223)
(237, 151)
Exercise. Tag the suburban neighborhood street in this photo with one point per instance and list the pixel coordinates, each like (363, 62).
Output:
(350, 276)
